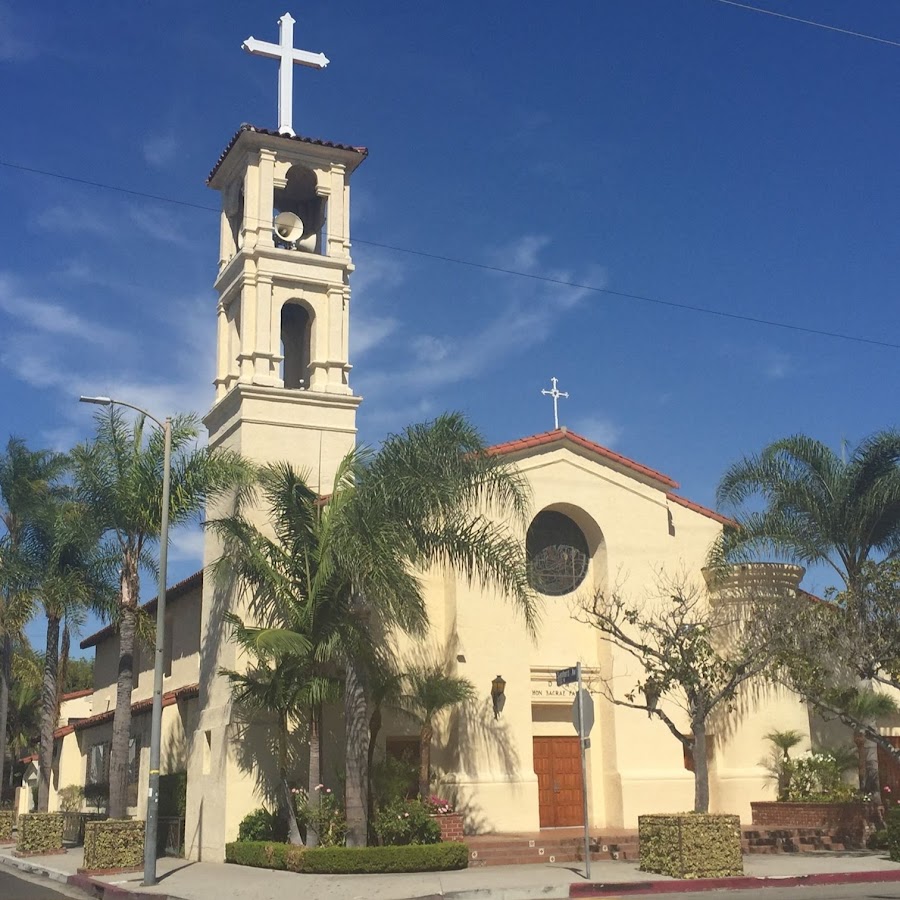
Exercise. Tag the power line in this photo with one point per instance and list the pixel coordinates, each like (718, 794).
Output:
(547, 279)
(778, 15)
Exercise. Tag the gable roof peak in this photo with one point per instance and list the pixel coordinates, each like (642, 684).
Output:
(563, 435)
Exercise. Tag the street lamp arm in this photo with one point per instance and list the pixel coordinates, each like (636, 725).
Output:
(109, 401)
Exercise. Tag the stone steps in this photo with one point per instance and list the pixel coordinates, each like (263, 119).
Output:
(512, 851)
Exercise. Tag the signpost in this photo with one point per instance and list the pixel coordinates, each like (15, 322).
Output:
(583, 720)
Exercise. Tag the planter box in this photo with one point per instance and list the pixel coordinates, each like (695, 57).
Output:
(40, 833)
(849, 823)
(451, 825)
(7, 817)
(116, 845)
(691, 845)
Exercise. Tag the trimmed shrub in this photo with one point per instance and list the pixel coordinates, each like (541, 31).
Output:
(6, 824)
(114, 844)
(40, 833)
(173, 795)
(371, 860)
(71, 798)
(893, 834)
(691, 845)
(264, 855)
(261, 825)
(406, 822)
(349, 860)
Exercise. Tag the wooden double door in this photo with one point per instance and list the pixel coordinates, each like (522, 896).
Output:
(557, 764)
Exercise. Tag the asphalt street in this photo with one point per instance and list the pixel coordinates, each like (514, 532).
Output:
(26, 887)
(889, 891)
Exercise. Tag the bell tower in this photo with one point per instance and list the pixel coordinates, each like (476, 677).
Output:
(282, 363)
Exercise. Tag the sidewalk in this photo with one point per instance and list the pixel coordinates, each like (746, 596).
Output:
(186, 880)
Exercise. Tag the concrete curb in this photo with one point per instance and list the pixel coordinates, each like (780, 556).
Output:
(99, 890)
(735, 883)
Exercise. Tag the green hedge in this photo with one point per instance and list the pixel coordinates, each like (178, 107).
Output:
(7, 818)
(691, 845)
(349, 860)
(893, 834)
(40, 832)
(114, 844)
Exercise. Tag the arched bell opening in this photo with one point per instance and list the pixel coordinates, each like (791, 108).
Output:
(299, 212)
(296, 345)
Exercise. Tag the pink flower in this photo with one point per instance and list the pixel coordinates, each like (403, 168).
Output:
(886, 789)
(319, 787)
(327, 790)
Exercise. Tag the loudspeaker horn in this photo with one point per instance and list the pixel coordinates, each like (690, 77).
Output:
(289, 227)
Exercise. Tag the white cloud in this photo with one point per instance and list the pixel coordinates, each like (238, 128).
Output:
(776, 364)
(14, 46)
(530, 314)
(186, 545)
(52, 318)
(63, 219)
(367, 332)
(599, 429)
(160, 150)
(159, 224)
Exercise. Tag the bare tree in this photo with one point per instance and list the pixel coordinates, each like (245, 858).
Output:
(695, 650)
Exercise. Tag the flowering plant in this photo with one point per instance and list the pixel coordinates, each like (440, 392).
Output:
(324, 816)
(439, 806)
(406, 822)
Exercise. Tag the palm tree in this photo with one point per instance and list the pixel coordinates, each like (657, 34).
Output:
(430, 496)
(783, 742)
(818, 508)
(432, 691)
(299, 600)
(385, 689)
(26, 478)
(119, 475)
(864, 706)
(72, 578)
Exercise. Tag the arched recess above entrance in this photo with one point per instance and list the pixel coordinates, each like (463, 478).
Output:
(595, 578)
(297, 323)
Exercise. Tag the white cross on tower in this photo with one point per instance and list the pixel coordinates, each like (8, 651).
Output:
(555, 393)
(287, 56)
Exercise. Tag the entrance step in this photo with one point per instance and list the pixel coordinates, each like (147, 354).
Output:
(554, 846)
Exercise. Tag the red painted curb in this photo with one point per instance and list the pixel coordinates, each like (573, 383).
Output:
(735, 883)
(102, 891)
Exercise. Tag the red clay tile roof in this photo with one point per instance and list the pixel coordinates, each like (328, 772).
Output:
(74, 695)
(703, 510)
(142, 706)
(172, 594)
(362, 151)
(562, 434)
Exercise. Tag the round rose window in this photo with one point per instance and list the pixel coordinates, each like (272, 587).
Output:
(557, 554)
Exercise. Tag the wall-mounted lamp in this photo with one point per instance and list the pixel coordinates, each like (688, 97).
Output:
(498, 695)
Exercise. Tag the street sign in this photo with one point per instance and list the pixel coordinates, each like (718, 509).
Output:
(566, 676)
(587, 713)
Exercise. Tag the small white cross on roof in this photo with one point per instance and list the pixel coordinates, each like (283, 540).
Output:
(555, 393)
(287, 56)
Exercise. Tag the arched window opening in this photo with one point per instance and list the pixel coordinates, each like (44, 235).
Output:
(557, 552)
(296, 333)
(299, 197)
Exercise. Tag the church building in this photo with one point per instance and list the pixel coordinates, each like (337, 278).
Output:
(509, 760)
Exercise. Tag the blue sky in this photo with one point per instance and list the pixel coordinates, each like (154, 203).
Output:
(681, 149)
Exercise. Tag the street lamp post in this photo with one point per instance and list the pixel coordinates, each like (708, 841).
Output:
(152, 823)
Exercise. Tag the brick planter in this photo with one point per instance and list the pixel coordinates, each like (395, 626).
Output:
(40, 833)
(848, 823)
(451, 826)
(116, 845)
(7, 817)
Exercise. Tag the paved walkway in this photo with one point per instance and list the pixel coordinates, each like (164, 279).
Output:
(211, 881)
